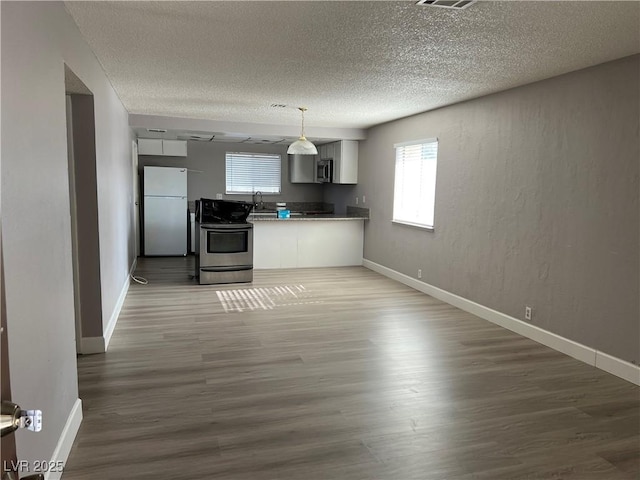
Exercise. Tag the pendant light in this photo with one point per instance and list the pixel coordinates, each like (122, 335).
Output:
(302, 146)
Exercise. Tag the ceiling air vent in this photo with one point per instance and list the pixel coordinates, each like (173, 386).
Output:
(198, 137)
(459, 4)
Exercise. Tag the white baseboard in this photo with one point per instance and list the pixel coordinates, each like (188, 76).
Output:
(591, 356)
(617, 367)
(65, 442)
(108, 332)
(91, 345)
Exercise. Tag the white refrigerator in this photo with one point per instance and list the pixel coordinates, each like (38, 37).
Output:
(165, 211)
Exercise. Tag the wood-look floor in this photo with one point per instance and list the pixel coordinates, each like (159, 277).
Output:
(337, 374)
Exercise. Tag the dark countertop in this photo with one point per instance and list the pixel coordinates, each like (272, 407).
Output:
(305, 218)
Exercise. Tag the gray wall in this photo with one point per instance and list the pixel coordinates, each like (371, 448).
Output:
(209, 158)
(88, 237)
(38, 38)
(341, 196)
(536, 203)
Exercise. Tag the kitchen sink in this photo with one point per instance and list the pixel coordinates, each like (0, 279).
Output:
(272, 213)
(263, 214)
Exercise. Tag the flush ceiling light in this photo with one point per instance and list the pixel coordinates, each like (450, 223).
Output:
(302, 146)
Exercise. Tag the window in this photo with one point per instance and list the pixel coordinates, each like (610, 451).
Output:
(247, 173)
(414, 191)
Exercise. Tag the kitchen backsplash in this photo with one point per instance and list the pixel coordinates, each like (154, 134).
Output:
(300, 206)
(293, 206)
(357, 211)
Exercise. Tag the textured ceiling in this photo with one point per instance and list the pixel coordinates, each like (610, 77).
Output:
(352, 63)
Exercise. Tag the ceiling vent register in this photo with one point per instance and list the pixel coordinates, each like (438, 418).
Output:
(457, 4)
(195, 137)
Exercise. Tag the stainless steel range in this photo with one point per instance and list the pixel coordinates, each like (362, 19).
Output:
(224, 242)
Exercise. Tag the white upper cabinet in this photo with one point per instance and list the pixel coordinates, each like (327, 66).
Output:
(345, 161)
(174, 148)
(302, 168)
(167, 148)
(326, 151)
(149, 146)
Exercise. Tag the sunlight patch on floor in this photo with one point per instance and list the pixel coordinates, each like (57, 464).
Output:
(267, 298)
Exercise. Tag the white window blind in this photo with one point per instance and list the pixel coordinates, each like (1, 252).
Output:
(415, 183)
(253, 172)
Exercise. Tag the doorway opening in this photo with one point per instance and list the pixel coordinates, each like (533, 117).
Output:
(83, 203)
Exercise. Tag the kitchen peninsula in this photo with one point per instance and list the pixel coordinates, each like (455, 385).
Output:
(305, 241)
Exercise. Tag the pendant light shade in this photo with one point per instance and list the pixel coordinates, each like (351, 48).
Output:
(302, 146)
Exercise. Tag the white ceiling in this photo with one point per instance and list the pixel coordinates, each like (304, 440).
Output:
(354, 64)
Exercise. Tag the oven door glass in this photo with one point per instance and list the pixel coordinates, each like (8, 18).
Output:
(229, 241)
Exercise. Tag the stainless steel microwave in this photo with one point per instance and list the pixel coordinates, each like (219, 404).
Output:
(325, 171)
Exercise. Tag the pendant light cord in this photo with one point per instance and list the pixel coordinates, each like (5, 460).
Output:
(302, 146)
(302, 109)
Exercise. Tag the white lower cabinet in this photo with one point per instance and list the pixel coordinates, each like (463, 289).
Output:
(305, 244)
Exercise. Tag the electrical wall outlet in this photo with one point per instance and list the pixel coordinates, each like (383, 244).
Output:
(527, 313)
(218, 196)
(419, 273)
(356, 200)
(363, 199)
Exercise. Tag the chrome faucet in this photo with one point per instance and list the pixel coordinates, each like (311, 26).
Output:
(258, 206)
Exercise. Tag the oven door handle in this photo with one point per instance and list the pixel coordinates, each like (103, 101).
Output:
(232, 268)
(225, 230)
